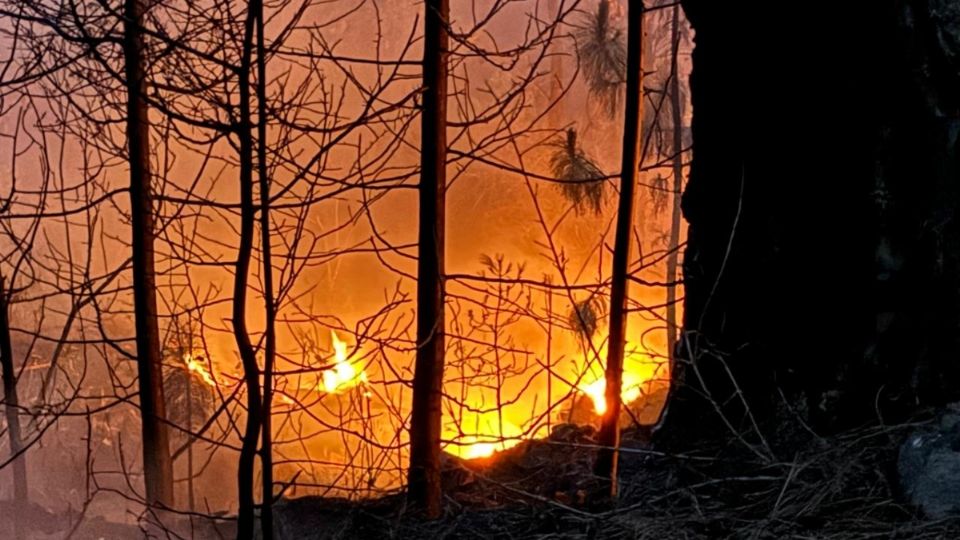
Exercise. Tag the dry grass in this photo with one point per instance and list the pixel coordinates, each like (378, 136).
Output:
(835, 488)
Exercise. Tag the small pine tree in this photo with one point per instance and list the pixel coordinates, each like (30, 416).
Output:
(603, 53)
(584, 317)
(581, 179)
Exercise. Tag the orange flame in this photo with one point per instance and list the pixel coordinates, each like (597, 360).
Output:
(480, 431)
(474, 447)
(197, 367)
(639, 369)
(596, 391)
(479, 434)
(343, 375)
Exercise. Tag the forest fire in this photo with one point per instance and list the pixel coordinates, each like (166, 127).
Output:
(343, 375)
(482, 429)
(480, 435)
(474, 434)
(197, 366)
(473, 449)
(631, 390)
(481, 446)
(361, 269)
(293, 302)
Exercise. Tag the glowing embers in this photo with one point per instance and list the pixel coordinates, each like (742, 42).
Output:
(343, 375)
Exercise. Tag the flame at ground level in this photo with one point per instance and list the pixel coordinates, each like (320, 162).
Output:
(476, 447)
(343, 375)
(481, 434)
(631, 390)
(481, 430)
(478, 430)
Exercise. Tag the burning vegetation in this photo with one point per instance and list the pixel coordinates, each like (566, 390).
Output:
(343, 375)
(237, 253)
(362, 268)
(235, 301)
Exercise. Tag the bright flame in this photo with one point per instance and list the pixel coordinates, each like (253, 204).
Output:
(479, 435)
(199, 368)
(479, 431)
(631, 390)
(343, 374)
(473, 447)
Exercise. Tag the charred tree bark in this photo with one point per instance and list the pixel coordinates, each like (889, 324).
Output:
(248, 355)
(672, 258)
(11, 406)
(609, 435)
(423, 481)
(157, 464)
(788, 249)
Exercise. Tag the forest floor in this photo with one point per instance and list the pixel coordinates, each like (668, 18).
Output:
(842, 487)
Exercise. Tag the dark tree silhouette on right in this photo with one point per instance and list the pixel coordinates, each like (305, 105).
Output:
(787, 251)
(676, 113)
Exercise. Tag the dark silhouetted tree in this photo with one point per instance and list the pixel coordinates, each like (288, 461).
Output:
(676, 111)
(423, 482)
(157, 465)
(248, 354)
(11, 406)
(609, 435)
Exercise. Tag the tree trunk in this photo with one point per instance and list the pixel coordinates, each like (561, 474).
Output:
(191, 492)
(609, 436)
(12, 410)
(157, 465)
(785, 248)
(672, 257)
(248, 356)
(270, 341)
(423, 482)
(555, 81)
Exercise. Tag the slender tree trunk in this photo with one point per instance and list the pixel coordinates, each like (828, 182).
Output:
(266, 444)
(12, 410)
(157, 465)
(609, 436)
(423, 482)
(191, 502)
(248, 356)
(673, 256)
(556, 74)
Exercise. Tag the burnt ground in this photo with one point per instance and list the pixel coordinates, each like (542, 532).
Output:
(842, 487)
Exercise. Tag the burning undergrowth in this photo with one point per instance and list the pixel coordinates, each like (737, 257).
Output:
(830, 488)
